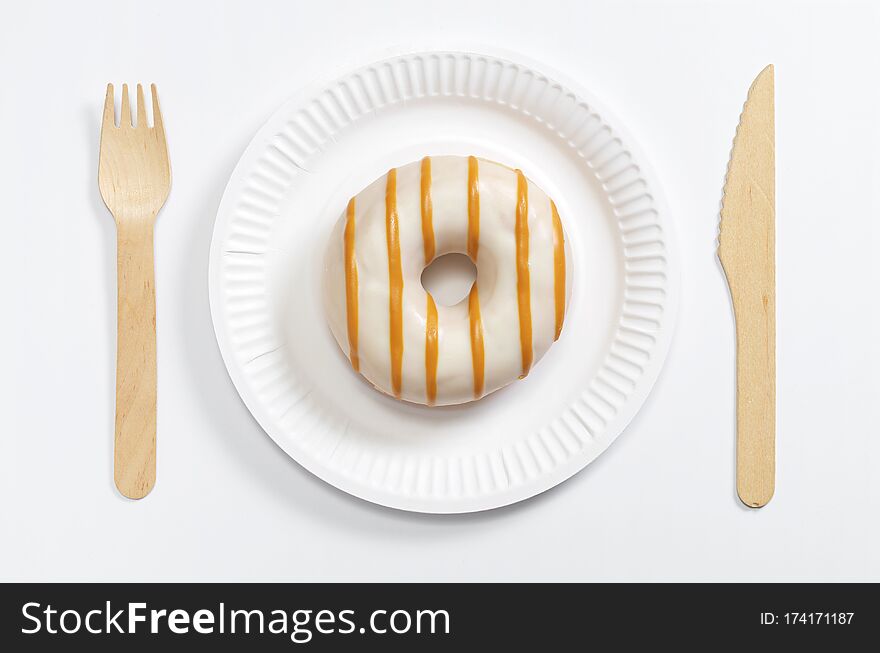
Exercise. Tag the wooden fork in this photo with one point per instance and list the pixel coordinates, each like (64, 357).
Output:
(134, 176)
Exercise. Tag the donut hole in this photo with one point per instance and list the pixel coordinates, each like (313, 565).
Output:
(448, 278)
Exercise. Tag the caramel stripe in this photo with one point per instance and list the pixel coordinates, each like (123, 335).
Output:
(427, 211)
(523, 289)
(473, 247)
(351, 286)
(558, 269)
(431, 344)
(477, 351)
(473, 243)
(395, 281)
(431, 352)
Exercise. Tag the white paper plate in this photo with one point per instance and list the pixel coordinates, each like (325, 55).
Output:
(292, 184)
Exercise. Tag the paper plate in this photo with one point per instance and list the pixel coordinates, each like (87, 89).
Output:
(294, 181)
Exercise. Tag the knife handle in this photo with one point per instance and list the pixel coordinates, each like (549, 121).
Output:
(755, 310)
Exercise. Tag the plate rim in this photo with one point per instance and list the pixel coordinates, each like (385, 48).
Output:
(562, 471)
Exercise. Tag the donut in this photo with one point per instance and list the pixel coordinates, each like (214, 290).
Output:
(392, 330)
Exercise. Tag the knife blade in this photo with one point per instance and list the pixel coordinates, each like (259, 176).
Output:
(747, 251)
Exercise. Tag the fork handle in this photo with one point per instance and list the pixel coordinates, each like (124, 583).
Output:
(134, 457)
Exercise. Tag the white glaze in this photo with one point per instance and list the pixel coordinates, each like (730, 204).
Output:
(496, 279)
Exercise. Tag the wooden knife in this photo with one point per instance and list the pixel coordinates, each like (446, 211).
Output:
(747, 251)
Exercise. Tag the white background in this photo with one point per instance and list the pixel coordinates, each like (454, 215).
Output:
(229, 505)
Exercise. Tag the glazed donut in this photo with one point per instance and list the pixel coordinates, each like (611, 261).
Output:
(390, 327)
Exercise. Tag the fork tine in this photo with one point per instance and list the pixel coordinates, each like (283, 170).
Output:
(157, 114)
(108, 120)
(141, 109)
(125, 116)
